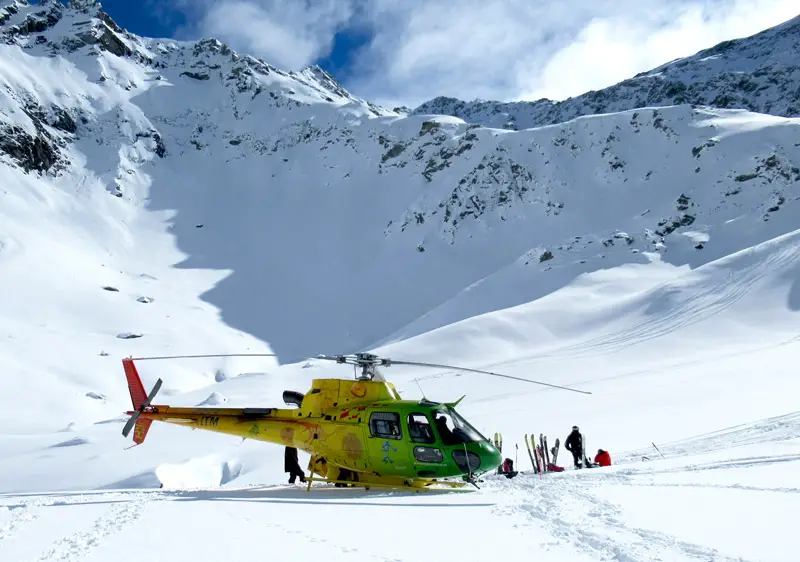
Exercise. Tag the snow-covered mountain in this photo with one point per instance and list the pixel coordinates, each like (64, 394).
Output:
(164, 197)
(342, 224)
(760, 73)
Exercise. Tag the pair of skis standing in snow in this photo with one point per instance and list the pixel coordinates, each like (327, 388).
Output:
(540, 454)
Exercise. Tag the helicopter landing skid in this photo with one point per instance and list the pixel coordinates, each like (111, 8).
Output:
(415, 485)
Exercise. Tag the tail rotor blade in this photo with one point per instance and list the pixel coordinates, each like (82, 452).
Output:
(156, 388)
(132, 421)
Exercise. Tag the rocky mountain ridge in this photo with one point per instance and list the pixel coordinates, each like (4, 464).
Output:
(760, 73)
(81, 28)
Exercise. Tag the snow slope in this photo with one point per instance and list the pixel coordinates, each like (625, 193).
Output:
(701, 362)
(271, 182)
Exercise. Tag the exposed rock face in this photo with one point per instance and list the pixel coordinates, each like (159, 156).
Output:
(31, 153)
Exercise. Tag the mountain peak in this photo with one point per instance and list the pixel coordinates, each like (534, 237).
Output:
(84, 6)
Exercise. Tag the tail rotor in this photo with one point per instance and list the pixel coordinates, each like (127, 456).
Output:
(128, 426)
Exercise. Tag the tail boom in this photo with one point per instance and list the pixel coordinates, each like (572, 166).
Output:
(260, 424)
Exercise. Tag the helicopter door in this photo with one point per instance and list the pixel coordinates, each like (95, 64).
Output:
(428, 456)
(388, 454)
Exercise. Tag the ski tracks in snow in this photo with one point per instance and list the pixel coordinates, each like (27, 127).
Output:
(595, 527)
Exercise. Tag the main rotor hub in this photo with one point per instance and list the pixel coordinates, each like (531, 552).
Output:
(366, 362)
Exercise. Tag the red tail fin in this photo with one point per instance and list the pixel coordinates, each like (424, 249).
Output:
(140, 430)
(138, 395)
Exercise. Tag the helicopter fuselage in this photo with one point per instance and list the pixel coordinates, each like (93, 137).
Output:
(362, 426)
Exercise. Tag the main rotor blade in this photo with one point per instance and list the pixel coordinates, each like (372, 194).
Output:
(212, 355)
(330, 357)
(417, 364)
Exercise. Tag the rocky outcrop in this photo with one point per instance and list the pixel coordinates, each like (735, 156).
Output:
(38, 153)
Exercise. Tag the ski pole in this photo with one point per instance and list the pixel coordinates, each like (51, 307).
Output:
(659, 452)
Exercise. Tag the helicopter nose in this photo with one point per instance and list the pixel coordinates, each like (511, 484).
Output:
(490, 456)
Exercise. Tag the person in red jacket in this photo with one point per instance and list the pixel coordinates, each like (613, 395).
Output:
(602, 458)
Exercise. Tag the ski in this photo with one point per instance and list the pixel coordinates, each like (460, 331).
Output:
(542, 452)
(546, 452)
(586, 462)
(498, 443)
(539, 467)
(530, 454)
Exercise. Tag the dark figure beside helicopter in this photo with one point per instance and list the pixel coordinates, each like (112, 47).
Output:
(292, 466)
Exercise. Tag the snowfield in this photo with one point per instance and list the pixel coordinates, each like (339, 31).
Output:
(700, 362)
(168, 198)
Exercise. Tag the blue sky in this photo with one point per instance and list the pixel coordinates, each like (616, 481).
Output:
(163, 19)
(404, 52)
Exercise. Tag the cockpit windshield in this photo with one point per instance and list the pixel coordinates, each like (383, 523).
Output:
(453, 429)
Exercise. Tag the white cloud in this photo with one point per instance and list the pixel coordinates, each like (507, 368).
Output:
(489, 49)
(287, 33)
(611, 49)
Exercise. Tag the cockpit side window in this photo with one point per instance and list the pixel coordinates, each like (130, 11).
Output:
(385, 425)
(465, 429)
(445, 428)
(453, 429)
(419, 429)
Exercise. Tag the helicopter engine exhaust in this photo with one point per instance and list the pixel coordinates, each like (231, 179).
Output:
(293, 398)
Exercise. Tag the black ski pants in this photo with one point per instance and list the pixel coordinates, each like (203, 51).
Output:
(577, 457)
(296, 472)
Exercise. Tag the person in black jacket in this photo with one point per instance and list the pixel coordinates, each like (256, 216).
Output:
(292, 466)
(574, 444)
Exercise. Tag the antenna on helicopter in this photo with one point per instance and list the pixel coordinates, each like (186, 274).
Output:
(369, 362)
(420, 389)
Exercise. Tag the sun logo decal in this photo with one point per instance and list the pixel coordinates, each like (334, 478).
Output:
(358, 390)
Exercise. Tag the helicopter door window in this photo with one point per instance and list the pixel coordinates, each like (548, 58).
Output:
(419, 429)
(385, 425)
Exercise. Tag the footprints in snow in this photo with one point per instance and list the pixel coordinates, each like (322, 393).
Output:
(349, 550)
(76, 546)
(562, 509)
(21, 515)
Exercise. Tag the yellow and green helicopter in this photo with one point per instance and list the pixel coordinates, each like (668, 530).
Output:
(358, 431)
